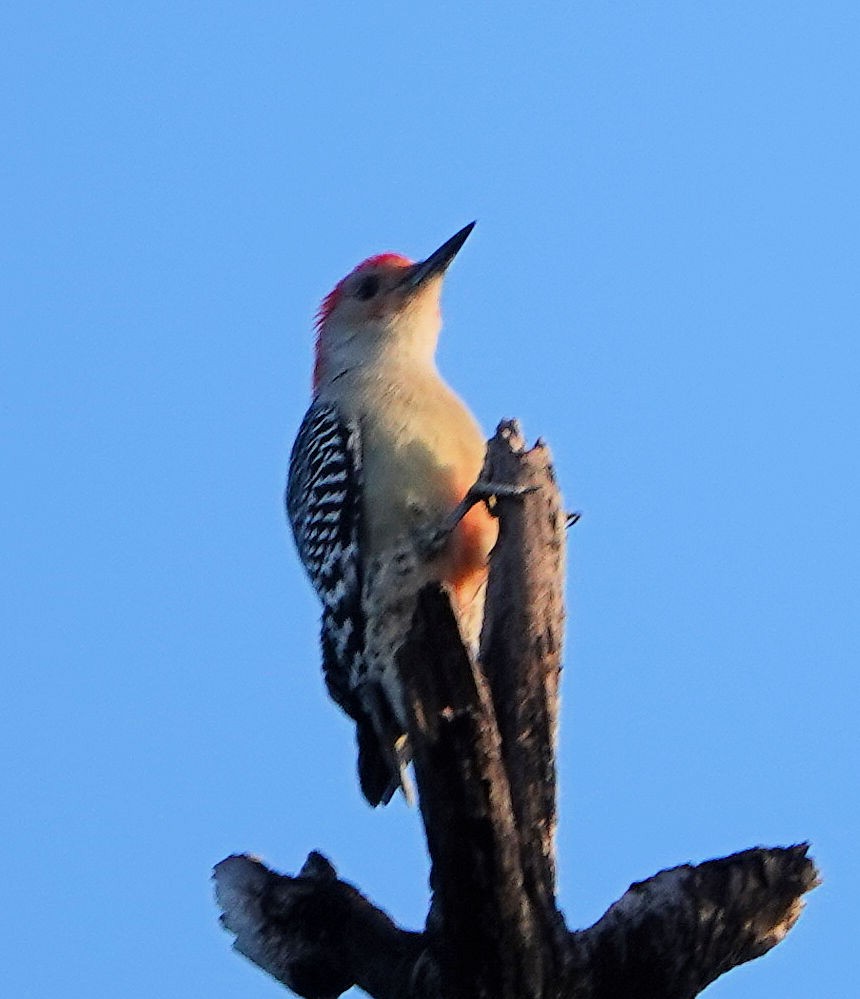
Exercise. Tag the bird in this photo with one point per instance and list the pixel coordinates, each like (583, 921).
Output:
(384, 455)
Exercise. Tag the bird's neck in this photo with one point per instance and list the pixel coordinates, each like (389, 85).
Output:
(377, 353)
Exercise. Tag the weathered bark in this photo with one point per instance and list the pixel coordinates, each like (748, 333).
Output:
(480, 905)
(521, 649)
(665, 938)
(672, 935)
(483, 739)
(314, 933)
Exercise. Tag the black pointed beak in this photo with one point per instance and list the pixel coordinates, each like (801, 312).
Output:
(438, 261)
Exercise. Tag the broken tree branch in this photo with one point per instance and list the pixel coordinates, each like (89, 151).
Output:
(316, 934)
(485, 937)
(665, 938)
(483, 738)
(672, 935)
(521, 647)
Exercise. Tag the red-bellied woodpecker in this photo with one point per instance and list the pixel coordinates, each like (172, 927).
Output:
(386, 451)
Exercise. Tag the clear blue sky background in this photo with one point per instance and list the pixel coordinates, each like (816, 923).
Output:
(663, 283)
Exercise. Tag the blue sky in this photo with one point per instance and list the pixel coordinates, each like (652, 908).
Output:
(662, 283)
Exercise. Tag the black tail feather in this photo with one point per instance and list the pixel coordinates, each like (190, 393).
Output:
(378, 773)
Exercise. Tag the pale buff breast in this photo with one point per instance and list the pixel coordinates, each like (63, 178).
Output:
(422, 450)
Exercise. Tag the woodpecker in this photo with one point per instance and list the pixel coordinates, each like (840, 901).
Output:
(385, 452)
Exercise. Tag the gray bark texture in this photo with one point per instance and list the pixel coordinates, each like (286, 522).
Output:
(483, 740)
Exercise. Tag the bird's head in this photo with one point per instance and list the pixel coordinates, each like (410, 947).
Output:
(386, 304)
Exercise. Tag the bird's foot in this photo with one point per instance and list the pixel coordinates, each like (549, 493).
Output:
(433, 540)
(489, 491)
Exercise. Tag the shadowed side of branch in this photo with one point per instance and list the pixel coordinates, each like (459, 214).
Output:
(316, 934)
(672, 935)
(483, 930)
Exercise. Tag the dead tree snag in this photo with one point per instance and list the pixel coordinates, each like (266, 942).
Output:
(483, 738)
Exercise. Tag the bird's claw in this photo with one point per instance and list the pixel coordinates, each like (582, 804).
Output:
(484, 490)
(433, 540)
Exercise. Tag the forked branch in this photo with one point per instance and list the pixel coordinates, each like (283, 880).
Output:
(483, 738)
(665, 938)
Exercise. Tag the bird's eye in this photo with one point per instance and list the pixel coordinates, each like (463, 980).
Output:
(368, 288)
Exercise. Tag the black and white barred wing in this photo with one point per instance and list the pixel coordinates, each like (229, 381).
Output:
(324, 508)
